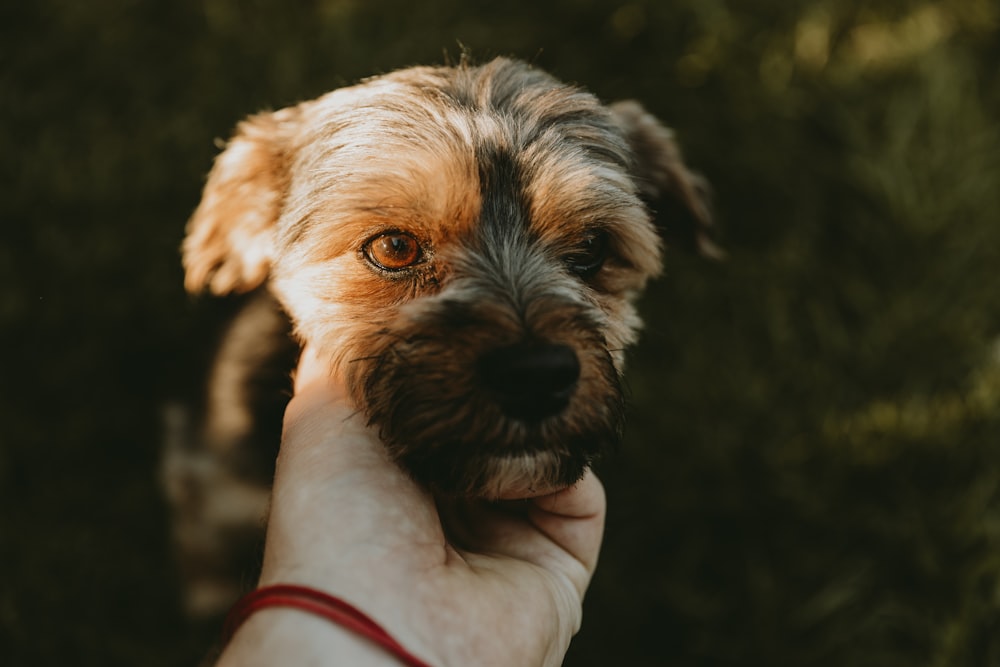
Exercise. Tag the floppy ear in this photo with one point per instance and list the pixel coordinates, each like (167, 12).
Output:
(678, 198)
(229, 244)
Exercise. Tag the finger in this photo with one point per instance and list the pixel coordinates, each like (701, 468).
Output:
(326, 439)
(311, 369)
(320, 414)
(574, 519)
(560, 532)
(328, 445)
(335, 484)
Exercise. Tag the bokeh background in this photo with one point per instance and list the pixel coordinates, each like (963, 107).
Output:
(812, 468)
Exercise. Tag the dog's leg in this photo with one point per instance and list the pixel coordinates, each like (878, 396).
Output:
(217, 470)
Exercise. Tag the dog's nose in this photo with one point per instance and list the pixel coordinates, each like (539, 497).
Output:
(531, 381)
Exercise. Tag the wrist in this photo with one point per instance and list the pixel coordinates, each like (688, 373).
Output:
(276, 635)
(309, 636)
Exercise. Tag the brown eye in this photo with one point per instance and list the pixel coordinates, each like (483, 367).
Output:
(393, 251)
(589, 257)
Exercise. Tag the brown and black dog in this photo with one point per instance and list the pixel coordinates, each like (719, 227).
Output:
(463, 247)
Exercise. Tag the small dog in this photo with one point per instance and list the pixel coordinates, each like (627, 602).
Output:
(463, 246)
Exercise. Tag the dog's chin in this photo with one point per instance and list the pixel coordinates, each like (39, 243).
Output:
(528, 475)
(497, 474)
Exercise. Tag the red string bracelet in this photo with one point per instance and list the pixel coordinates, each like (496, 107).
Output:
(321, 604)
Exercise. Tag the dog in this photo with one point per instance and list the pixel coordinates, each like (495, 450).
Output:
(463, 246)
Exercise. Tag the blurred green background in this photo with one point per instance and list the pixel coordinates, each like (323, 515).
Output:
(812, 468)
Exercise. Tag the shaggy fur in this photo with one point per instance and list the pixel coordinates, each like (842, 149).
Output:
(463, 247)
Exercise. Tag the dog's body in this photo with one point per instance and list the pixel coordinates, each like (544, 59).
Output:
(463, 246)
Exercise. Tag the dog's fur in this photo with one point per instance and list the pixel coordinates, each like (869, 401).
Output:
(488, 352)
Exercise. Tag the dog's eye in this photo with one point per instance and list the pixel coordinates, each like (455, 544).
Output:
(589, 257)
(393, 251)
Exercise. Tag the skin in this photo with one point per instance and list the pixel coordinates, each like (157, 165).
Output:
(456, 583)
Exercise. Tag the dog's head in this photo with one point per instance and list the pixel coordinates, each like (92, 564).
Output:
(464, 246)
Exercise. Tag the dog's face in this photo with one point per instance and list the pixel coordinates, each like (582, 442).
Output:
(463, 246)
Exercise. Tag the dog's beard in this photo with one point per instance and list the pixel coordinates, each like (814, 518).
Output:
(423, 389)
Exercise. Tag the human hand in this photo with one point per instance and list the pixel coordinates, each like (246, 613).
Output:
(456, 583)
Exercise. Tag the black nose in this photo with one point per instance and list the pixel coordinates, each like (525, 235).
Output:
(531, 381)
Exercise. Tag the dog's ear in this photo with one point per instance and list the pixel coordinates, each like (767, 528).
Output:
(229, 242)
(678, 198)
